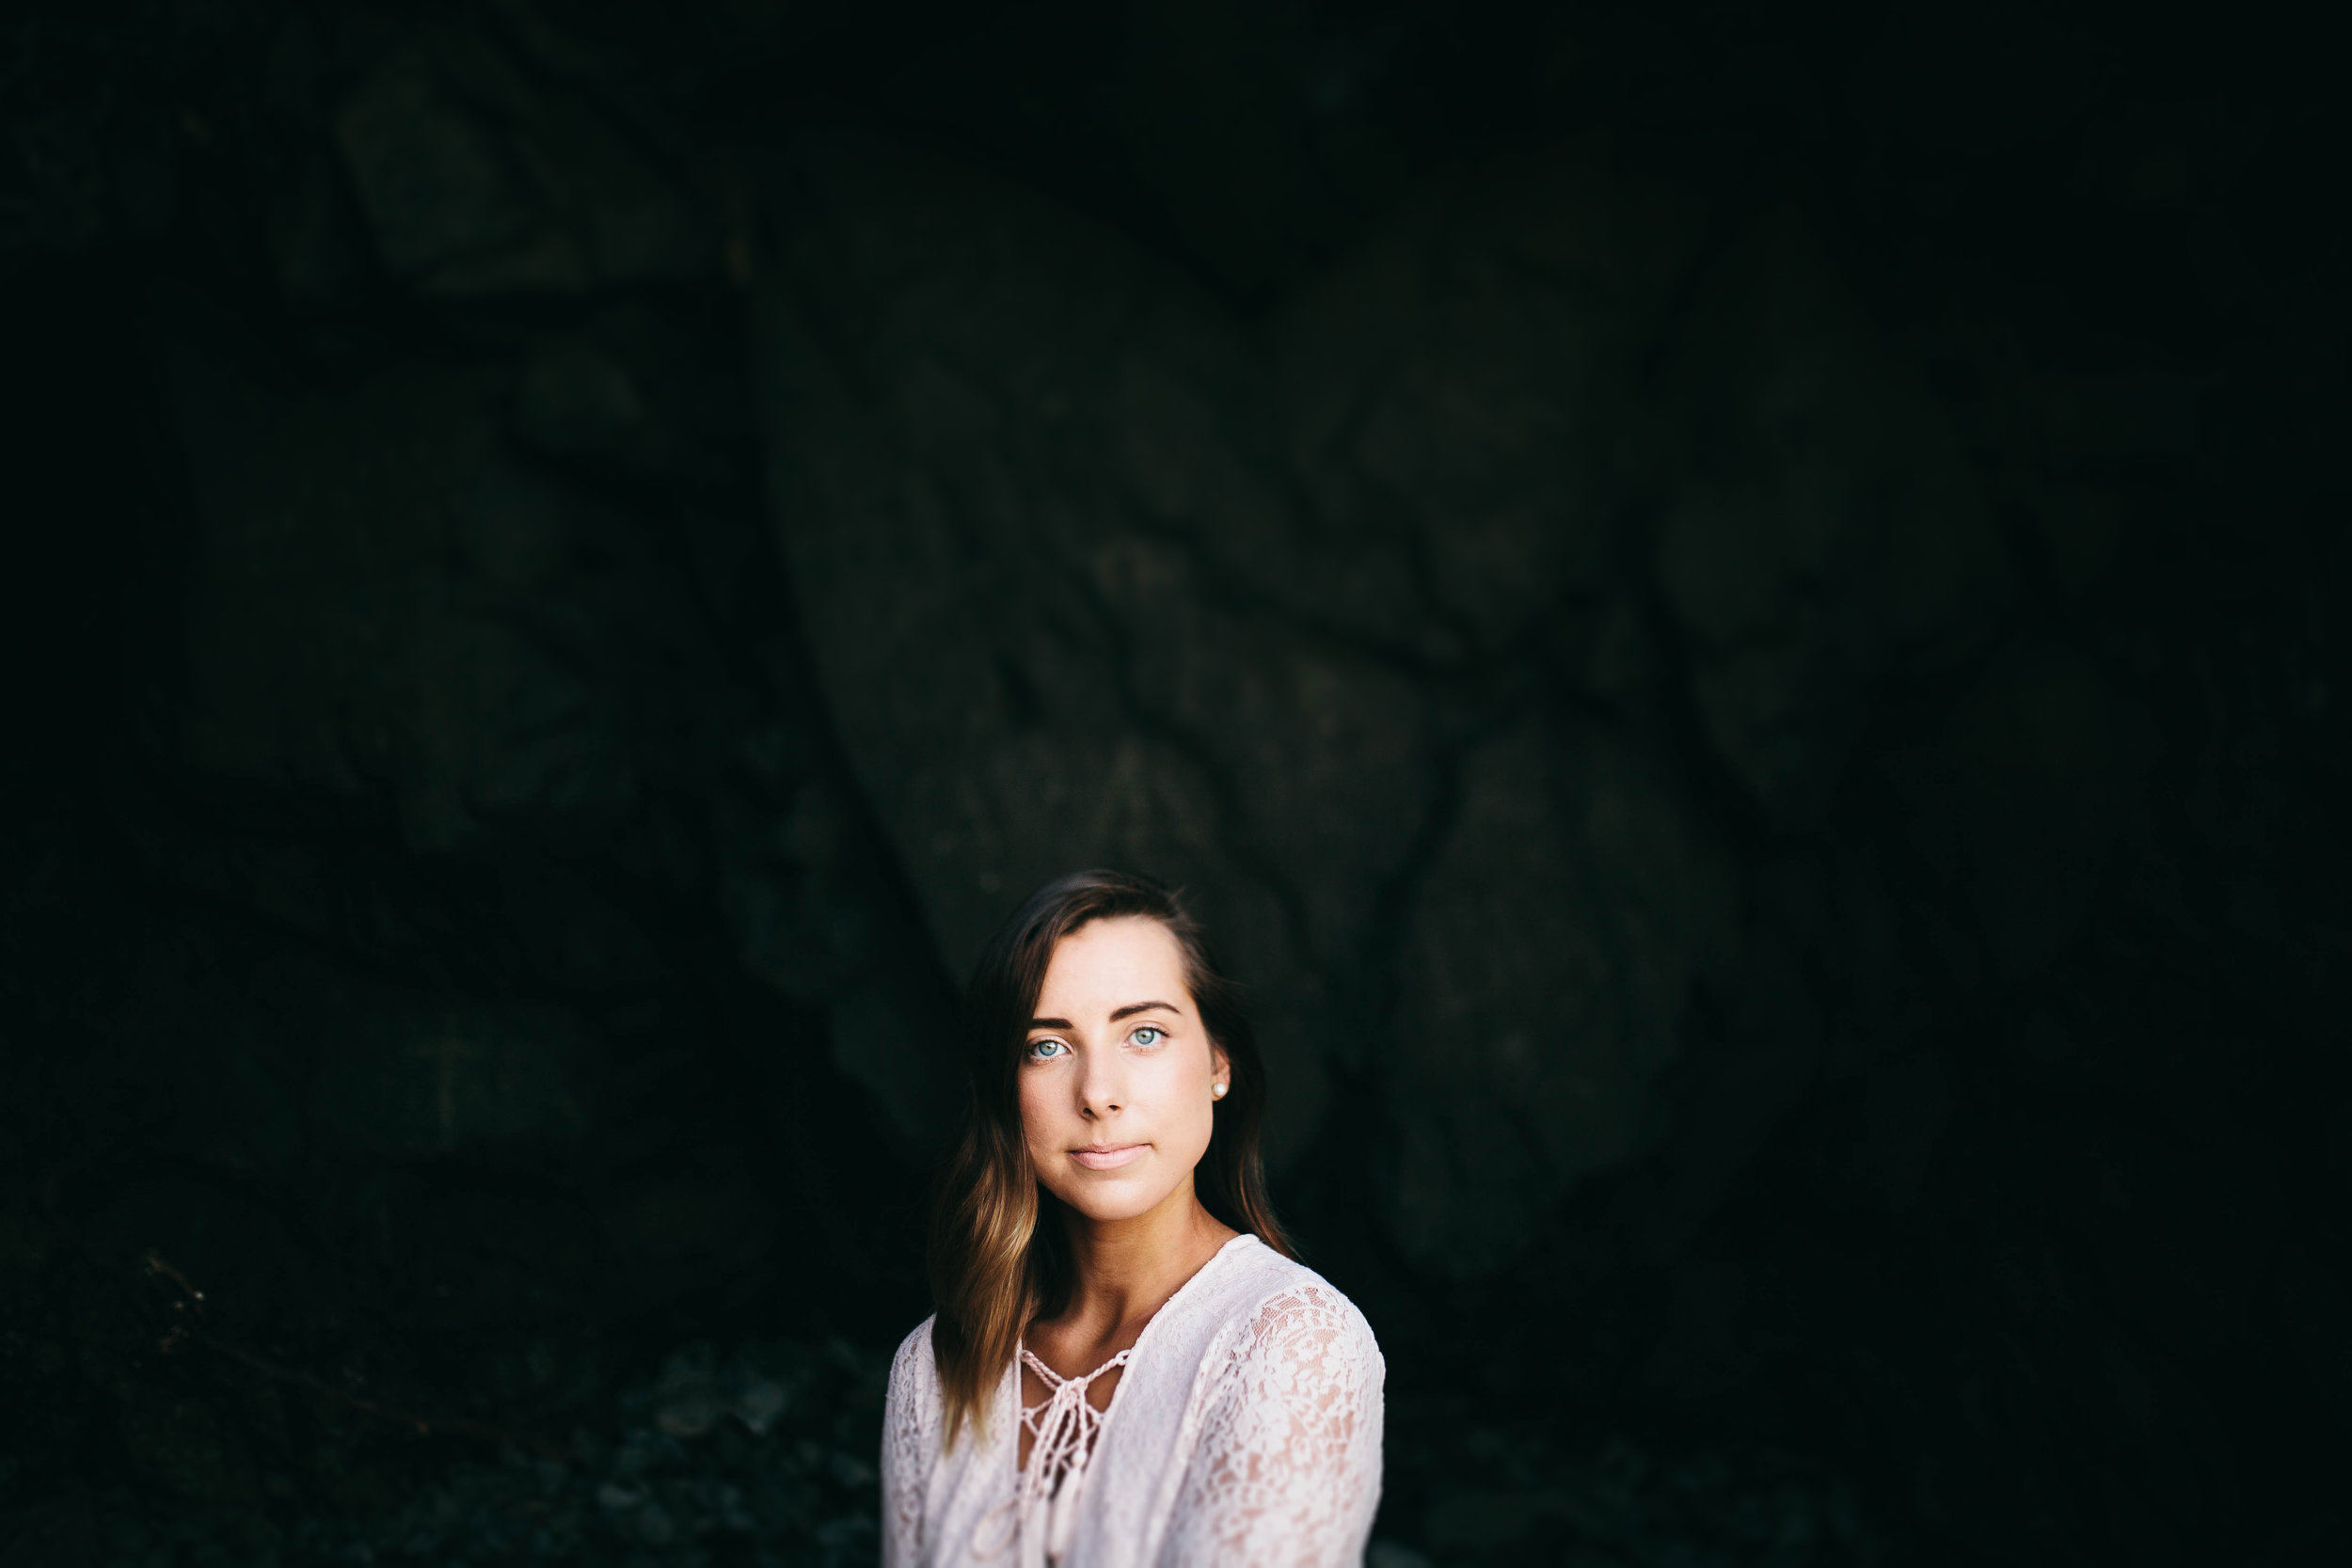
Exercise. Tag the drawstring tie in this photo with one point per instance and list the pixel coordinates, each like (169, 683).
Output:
(1061, 1429)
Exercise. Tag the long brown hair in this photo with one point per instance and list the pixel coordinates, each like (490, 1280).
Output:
(999, 1255)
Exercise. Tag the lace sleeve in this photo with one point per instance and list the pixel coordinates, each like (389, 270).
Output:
(910, 1443)
(1287, 1473)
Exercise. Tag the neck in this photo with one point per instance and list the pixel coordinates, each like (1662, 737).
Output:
(1126, 1269)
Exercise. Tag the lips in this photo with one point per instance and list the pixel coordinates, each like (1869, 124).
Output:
(1109, 1158)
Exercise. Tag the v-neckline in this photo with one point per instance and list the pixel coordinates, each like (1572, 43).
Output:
(1014, 1407)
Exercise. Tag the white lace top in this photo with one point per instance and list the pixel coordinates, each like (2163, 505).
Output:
(1245, 1429)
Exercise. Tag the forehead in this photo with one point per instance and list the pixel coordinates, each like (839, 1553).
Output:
(1111, 963)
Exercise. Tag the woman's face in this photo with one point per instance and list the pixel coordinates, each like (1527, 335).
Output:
(1119, 1080)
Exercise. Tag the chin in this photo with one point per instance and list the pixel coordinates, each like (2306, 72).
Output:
(1112, 1200)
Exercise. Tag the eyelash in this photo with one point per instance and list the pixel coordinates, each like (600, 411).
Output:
(1152, 1029)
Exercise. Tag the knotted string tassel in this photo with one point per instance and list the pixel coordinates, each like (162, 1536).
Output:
(1062, 1429)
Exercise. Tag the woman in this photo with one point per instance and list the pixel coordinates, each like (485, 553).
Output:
(1127, 1366)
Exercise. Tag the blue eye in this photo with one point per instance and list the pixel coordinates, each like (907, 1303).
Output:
(1148, 1036)
(1042, 1050)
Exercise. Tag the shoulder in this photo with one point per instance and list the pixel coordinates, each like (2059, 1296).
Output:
(912, 1371)
(917, 1344)
(1295, 1315)
(1301, 1378)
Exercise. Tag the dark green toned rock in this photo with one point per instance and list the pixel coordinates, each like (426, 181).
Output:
(1548, 955)
(1093, 574)
(333, 646)
(481, 176)
(1823, 529)
(1741, 634)
(2022, 798)
(412, 593)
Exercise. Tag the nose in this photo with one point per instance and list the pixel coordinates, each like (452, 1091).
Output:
(1102, 1086)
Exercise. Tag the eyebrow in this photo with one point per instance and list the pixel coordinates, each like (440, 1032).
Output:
(1128, 1011)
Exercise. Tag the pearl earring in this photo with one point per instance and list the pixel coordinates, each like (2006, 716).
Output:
(1216, 1091)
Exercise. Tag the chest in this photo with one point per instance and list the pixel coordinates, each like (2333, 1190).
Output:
(1063, 1412)
(1079, 1469)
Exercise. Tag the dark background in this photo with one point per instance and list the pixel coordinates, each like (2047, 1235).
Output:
(1735, 615)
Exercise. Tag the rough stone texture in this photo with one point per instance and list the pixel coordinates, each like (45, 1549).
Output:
(1822, 530)
(1546, 960)
(2035, 778)
(404, 599)
(1341, 619)
(481, 176)
(1759, 689)
(515, 953)
(333, 521)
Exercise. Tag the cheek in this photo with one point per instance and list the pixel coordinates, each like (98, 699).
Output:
(1037, 1109)
(1186, 1112)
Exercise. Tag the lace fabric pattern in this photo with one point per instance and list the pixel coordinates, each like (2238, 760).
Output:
(1286, 1468)
(911, 1437)
(1245, 1431)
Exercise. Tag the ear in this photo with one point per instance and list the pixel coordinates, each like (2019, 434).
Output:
(1220, 1065)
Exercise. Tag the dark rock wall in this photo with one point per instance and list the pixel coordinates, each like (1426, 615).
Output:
(1735, 626)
